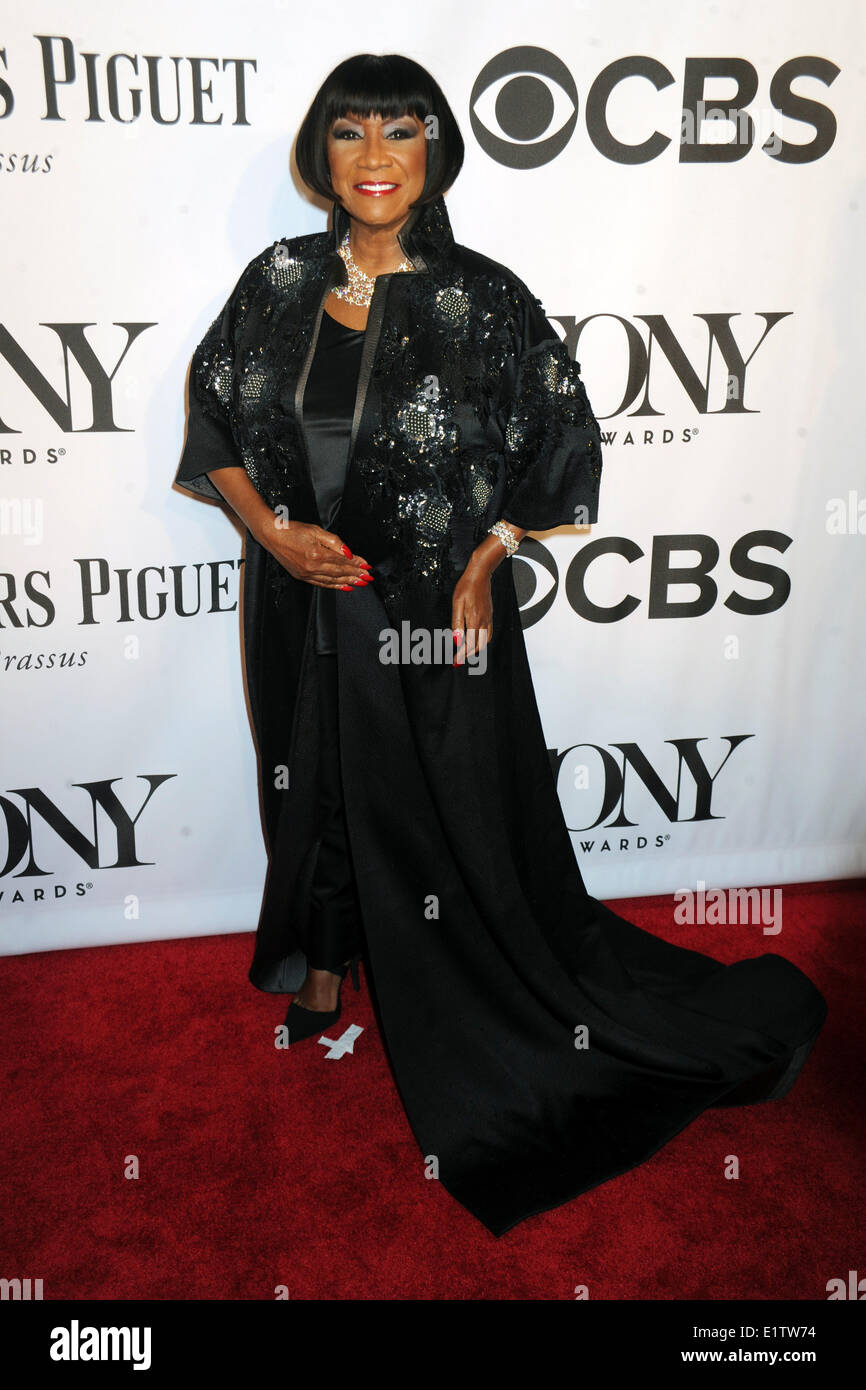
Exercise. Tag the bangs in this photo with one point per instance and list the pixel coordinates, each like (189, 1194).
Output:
(360, 102)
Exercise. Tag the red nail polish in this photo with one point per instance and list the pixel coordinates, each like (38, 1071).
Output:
(347, 552)
(345, 586)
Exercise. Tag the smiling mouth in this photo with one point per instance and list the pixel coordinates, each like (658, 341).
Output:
(375, 188)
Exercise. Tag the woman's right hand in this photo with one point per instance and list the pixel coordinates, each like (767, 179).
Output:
(314, 555)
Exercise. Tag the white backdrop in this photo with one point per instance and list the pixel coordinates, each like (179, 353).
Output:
(129, 798)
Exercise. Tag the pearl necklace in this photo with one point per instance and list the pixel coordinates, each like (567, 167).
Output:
(359, 290)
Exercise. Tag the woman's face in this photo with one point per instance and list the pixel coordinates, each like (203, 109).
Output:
(378, 167)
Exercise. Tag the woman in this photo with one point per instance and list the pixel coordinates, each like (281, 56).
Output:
(389, 412)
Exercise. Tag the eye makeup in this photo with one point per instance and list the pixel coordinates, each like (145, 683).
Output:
(344, 126)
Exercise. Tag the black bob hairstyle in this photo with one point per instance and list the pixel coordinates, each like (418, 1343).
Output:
(386, 85)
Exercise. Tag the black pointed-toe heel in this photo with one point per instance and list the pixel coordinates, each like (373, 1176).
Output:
(304, 1023)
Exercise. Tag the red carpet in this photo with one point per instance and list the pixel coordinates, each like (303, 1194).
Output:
(260, 1168)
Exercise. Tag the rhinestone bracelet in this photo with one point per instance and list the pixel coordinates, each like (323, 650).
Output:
(504, 533)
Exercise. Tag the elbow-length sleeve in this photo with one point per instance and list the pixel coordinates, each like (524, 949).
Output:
(210, 441)
(552, 440)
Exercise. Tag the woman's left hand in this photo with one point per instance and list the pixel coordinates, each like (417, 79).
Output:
(472, 601)
(471, 611)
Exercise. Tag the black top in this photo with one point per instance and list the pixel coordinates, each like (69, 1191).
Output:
(329, 404)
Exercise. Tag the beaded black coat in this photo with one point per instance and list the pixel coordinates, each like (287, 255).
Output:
(483, 947)
(469, 409)
(469, 406)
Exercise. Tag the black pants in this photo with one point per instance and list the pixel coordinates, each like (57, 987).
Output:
(335, 929)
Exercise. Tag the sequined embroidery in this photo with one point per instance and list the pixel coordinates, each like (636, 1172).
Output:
(475, 409)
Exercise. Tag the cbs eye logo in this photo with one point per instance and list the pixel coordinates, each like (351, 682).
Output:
(536, 581)
(523, 107)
